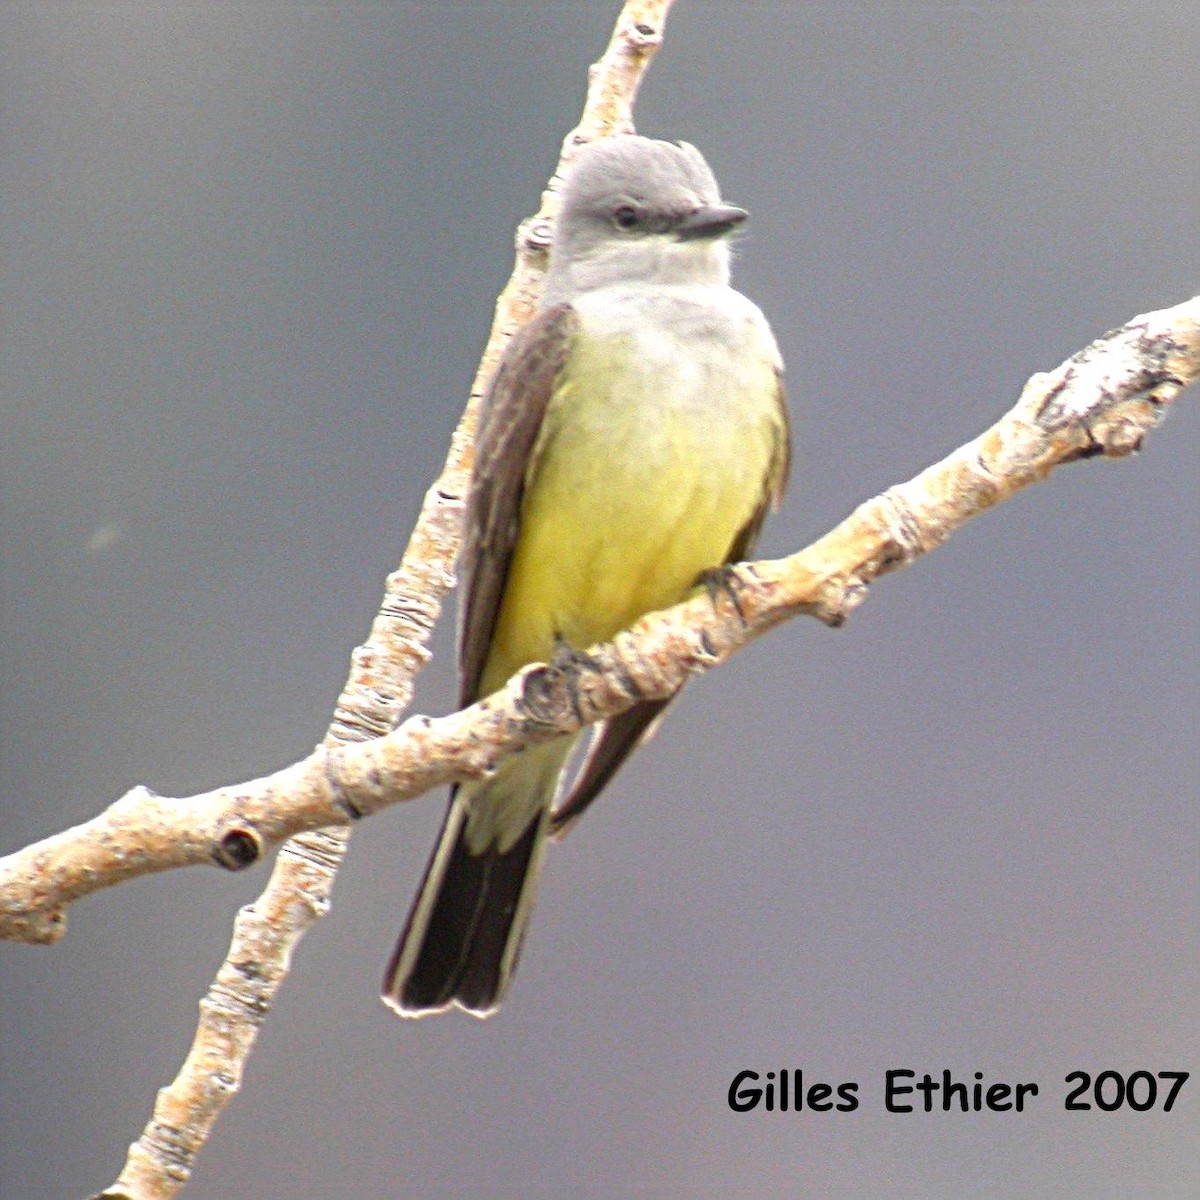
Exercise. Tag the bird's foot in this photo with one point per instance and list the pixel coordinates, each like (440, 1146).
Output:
(723, 581)
(549, 686)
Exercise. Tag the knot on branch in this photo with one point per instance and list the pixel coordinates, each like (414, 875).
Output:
(641, 36)
(1116, 390)
(237, 846)
(536, 234)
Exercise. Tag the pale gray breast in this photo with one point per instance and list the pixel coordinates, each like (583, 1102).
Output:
(708, 342)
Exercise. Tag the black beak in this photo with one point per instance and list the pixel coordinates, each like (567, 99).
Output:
(710, 221)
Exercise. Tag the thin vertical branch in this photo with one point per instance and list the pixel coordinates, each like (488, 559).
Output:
(377, 691)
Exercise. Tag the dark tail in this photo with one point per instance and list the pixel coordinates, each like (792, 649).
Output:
(464, 933)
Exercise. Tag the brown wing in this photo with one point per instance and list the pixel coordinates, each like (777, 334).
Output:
(509, 421)
(617, 739)
(613, 743)
(774, 481)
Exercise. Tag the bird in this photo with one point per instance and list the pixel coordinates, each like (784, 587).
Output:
(634, 436)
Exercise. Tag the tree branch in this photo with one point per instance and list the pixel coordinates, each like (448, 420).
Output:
(1101, 402)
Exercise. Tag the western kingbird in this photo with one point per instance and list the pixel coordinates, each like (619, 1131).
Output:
(632, 440)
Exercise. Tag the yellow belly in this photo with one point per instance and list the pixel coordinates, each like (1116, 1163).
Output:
(650, 463)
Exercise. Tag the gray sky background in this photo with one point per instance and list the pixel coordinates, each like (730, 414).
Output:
(250, 254)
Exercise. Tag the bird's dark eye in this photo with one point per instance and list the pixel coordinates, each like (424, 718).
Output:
(626, 217)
